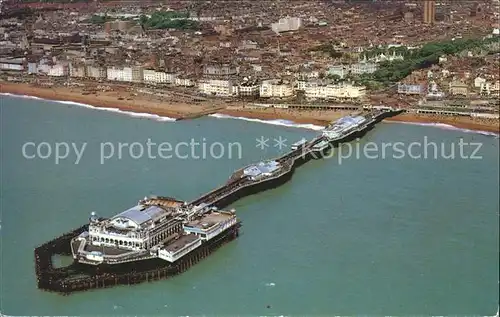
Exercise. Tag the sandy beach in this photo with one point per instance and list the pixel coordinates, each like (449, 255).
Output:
(119, 98)
(458, 122)
(127, 100)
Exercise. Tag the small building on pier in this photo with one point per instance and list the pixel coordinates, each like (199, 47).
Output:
(262, 169)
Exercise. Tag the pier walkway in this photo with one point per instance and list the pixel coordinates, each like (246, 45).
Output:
(287, 162)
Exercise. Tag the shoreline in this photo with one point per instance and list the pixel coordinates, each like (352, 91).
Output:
(455, 122)
(180, 111)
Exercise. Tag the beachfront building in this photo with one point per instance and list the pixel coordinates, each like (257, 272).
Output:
(171, 77)
(458, 88)
(32, 68)
(12, 64)
(248, 89)
(96, 72)
(217, 87)
(275, 88)
(349, 92)
(137, 74)
(154, 77)
(76, 70)
(329, 91)
(119, 74)
(56, 70)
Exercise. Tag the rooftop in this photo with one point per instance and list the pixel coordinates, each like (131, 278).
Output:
(262, 168)
(209, 220)
(180, 243)
(345, 122)
(141, 214)
(321, 144)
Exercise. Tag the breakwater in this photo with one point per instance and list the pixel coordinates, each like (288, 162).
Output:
(79, 277)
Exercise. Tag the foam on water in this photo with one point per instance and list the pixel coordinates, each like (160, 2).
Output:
(116, 110)
(280, 122)
(448, 127)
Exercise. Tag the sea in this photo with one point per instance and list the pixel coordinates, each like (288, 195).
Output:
(411, 229)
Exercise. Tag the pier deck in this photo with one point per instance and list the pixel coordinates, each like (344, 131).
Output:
(239, 180)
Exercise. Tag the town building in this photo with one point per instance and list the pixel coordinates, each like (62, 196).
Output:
(479, 81)
(137, 74)
(77, 70)
(118, 25)
(184, 82)
(363, 67)
(154, 77)
(217, 87)
(221, 70)
(433, 91)
(119, 74)
(338, 70)
(331, 91)
(32, 68)
(408, 89)
(488, 88)
(458, 88)
(96, 72)
(12, 64)
(275, 88)
(383, 58)
(248, 89)
(58, 70)
(308, 75)
(50, 69)
(495, 88)
(301, 84)
(429, 11)
(287, 24)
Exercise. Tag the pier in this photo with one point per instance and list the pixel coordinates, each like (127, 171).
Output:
(228, 193)
(186, 236)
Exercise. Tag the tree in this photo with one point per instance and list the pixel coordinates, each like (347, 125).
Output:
(334, 77)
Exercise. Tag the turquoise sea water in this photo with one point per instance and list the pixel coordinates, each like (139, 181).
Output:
(361, 237)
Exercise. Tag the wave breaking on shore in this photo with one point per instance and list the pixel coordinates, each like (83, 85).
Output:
(115, 110)
(448, 127)
(280, 122)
